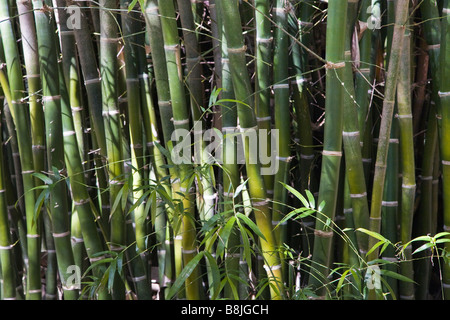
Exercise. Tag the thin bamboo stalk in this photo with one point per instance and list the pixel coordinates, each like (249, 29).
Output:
(332, 150)
(386, 120)
(408, 190)
(21, 118)
(247, 120)
(444, 95)
(8, 265)
(181, 122)
(54, 145)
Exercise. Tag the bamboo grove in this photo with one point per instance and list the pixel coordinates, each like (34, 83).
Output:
(225, 149)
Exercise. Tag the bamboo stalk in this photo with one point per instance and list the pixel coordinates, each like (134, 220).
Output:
(181, 123)
(386, 119)
(55, 150)
(8, 266)
(332, 150)
(408, 190)
(444, 90)
(21, 118)
(243, 93)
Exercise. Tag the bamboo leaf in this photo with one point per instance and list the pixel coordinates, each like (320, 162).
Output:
(251, 224)
(297, 194)
(395, 275)
(224, 236)
(341, 280)
(424, 247)
(239, 188)
(373, 234)
(184, 274)
(215, 274)
(312, 201)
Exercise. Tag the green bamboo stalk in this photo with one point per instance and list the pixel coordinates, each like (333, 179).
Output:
(364, 80)
(386, 120)
(247, 120)
(181, 122)
(352, 141)
(21, 117)
(282, 119)
(444, 95)
(332, 150)
(230, 176)
(130, 28)
(424, 222)
(55, 150)
(264, 63)
(390, 203)
(164, 105)
(8, 266)
(207, 197)
(404, 117)
(91, 77)
(109, 88)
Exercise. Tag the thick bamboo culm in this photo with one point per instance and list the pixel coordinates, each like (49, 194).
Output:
(266, 149)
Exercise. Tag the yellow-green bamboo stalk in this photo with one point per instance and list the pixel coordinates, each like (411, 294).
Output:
(247, 120)
(21, 119)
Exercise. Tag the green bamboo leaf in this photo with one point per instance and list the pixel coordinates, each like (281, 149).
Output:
(395, 275)
(239, 188)
(373, 234)
(251, 224)
(375, 246)
(441, 234)
(424, 247)
(215, 275)
(312, 201)
(341, 280)
(43, 177)
(184, 274)
(297, 194)
(246, 244)
(224, 235)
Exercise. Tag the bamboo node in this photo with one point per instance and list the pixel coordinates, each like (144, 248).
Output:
(443, 94)
(332, 65)
(272, 268)
(323, 234)
(61, 235)
(389, 203)
(281, 86)
(332, 153)
(76, 240)
(358, 195)
(138, 279)
(237, 50)
(260, 203)
(190, 251)
(350, 133)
